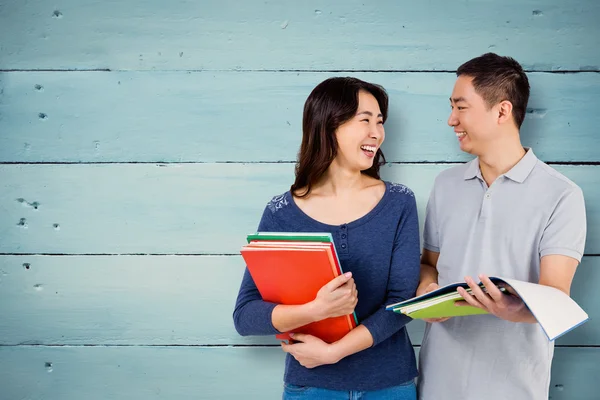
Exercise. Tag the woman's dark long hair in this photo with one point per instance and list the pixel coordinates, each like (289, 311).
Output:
(330, 104)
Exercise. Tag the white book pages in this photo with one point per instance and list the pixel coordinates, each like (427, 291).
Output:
(556, 312)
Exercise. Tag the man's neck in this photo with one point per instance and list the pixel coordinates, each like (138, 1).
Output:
(501, 158)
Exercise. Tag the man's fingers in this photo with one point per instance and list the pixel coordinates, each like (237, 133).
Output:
(470, 299)
(491, 288)
(433, 320)
(478, 293)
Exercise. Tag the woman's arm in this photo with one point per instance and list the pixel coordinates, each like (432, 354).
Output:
(336, 298)
(404, 276)
(312, 352)
(252, 315)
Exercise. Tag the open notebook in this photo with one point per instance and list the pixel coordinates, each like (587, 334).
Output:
(556, 312)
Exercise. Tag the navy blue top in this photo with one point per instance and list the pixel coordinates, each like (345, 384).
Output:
(382, 251)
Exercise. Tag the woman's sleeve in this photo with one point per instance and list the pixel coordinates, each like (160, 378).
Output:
(404, 276)
(252, 315)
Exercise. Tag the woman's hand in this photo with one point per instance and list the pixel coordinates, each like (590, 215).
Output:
(336, 298)
(310, 351)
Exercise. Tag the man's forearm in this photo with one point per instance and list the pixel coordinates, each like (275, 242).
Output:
(428, 276)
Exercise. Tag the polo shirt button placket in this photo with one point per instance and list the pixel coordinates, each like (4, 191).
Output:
(485, 207)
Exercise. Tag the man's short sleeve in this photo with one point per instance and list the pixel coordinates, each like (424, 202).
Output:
(566, 229)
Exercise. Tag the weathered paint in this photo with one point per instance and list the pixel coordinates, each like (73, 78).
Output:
(312, 34)
(163, 300)
(205, 82)
(257, 116)
(177, 208)
(142, 372)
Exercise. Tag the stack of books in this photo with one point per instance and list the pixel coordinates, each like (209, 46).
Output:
(290, 268)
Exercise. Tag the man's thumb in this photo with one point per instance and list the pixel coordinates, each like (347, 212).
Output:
(431, 287)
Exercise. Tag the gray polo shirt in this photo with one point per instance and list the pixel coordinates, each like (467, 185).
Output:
(505, 229)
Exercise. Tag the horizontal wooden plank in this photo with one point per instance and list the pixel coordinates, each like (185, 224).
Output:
(178, 208)
(202, 373)
(141, 373)
(253, 116)
(156, 300)
(549, 35)
(163, 300)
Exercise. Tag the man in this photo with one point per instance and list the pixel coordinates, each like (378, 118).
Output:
(505, 213)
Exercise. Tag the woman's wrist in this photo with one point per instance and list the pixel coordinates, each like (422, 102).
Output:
(314, 311)
(334, 353)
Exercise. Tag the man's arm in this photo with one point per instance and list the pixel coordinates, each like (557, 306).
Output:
(558, 271)
(429, 277)
(429, 272)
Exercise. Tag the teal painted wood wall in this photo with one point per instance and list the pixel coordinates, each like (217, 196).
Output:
(140, 141)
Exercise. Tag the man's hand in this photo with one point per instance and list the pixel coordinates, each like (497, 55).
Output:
(508, 307)
(430, 288)
(310, 351)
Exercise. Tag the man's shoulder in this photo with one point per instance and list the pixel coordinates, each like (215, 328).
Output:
(545, 171)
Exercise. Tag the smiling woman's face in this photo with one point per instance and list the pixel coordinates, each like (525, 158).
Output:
(359, 138)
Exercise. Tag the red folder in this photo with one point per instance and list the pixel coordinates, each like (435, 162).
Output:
(292, 273)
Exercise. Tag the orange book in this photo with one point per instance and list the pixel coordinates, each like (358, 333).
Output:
(292, 273)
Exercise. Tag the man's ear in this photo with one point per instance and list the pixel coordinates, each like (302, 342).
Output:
(505, 108)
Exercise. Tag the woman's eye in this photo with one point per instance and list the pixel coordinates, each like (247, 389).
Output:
(364, 120)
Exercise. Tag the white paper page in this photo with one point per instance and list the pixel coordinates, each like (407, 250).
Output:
(556, 312)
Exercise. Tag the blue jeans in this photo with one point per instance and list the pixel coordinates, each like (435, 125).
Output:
(406, 391)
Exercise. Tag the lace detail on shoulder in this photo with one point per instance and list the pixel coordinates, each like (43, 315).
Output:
(278, 202)
(400, 188)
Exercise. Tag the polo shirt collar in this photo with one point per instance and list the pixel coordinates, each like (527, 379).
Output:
(473, 170)
(518, 173)
(521, 171)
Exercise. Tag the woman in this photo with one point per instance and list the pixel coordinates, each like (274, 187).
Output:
(374, 225)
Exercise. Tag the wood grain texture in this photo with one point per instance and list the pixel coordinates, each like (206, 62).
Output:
(256, 116)
(178, 208)
(308, 35)
(100, 373)
(163, 300)
(201, 373)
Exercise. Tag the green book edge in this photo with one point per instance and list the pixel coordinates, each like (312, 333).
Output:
(444, 309)
(290, 238)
